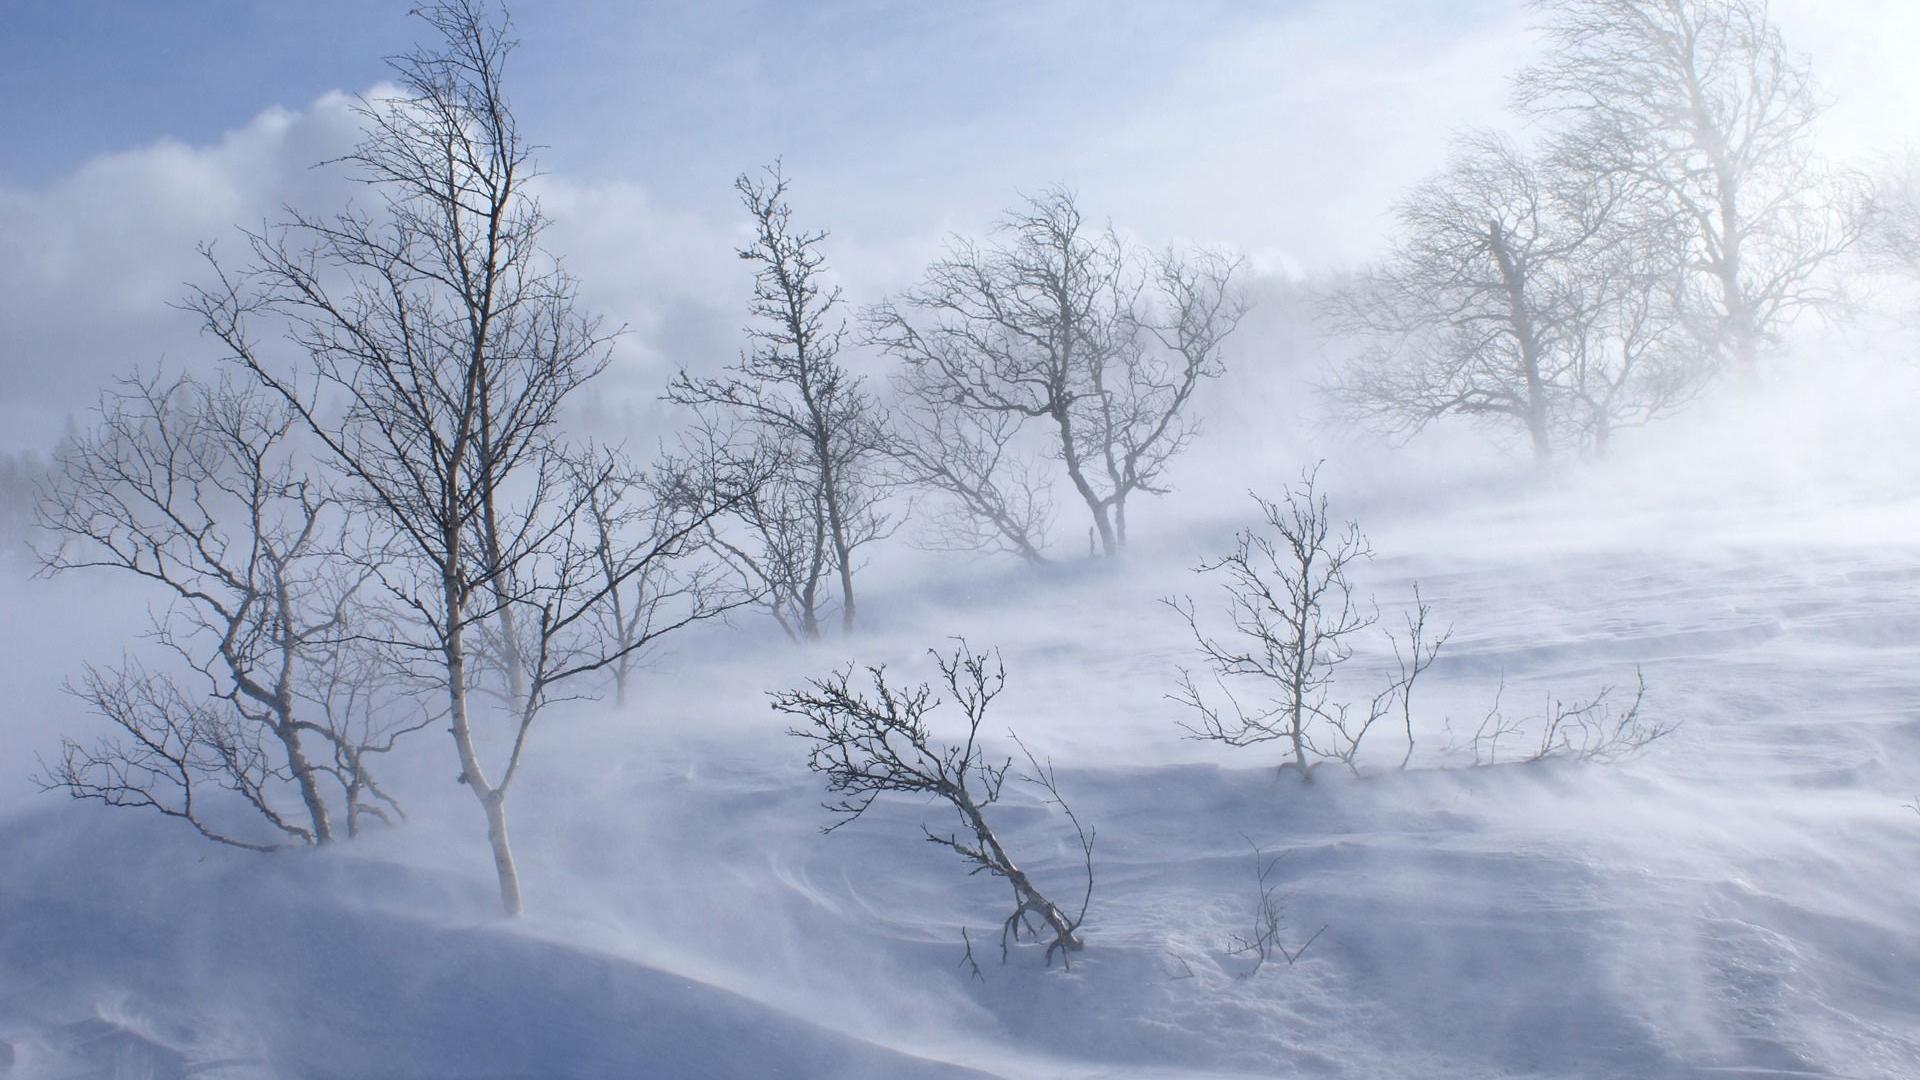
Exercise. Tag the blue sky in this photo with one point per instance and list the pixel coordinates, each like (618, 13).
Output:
(675, 80)
(83, 77)
(683, 95)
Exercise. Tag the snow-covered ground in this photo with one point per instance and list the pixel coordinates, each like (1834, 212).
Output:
(1739, 901)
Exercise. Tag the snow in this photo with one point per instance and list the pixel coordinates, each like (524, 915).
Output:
(1739, 901)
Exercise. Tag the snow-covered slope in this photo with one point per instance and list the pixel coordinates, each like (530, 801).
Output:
(1740, 901)
(131, 951)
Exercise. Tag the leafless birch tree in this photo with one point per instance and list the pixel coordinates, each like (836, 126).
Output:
(1067, 327)
(626, 512)
(440, 343)
(193, 488)
(766, 536)
(804, 410)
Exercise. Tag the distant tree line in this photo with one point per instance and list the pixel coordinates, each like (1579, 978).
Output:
(1664, 224)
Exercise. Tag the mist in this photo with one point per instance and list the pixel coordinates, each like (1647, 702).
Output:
(1006, 542)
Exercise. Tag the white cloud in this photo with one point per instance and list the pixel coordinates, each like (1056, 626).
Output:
(90, 265)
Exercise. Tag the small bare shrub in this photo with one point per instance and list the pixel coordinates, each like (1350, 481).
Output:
(1269, 919)
(1293, 618)
(1592, 730)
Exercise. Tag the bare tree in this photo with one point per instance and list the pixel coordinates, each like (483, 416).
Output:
(351, 686)
(440, 343)
(626, 511)
(194, 488)
(611, 575)
(1702, 102)
(771, 533)
(1057, 324)
(1461, 319)
(867, 745)
(1140, 403)
(1412, 656)
(1293, 617)
(1526, 291)
(804, 409)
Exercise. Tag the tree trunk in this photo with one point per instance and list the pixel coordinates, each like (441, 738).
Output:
(810, 589)
(1742, 333)
(1743, 336)
(846, 590)
(492, 802)
(1027, 897)
(1302, 653)
(302, 771)
(1109, 544)
(1527, 335)
(503, 864)
(1299, 729)
(837, 530)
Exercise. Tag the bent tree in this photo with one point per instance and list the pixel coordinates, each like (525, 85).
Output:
(869, 743)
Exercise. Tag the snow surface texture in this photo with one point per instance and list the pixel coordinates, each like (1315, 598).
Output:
(1739, 901)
